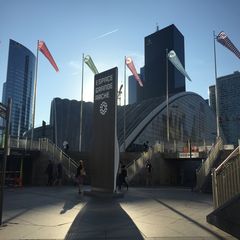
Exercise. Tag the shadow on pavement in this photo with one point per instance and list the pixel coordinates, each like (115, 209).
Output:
(69, 204)
(18, 202)
(191, 220)
(103, 218)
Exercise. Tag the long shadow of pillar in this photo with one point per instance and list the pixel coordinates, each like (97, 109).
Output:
(103, 218)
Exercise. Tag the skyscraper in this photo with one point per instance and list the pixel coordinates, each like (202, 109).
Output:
(134, 90)
(212, 98)
(156, 46)
(228, 104)
(19, 86)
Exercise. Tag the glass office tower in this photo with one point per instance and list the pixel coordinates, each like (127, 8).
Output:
(169, 38)
(229, 107)
(134, 90)
(19, 86)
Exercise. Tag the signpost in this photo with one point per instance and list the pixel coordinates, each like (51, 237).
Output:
(105, 157)
(5, 112)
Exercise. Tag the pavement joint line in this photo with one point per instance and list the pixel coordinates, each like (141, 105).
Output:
(36, 225)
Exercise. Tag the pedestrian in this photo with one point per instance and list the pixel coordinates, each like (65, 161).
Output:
(65, 146)
(49, 172)
(145, 146)
(80, 174)
(122, 177)
(148, 167)
(58, 180)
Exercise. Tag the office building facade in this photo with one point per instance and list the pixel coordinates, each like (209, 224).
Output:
(19, 86)
(229, 107)
(156, 47)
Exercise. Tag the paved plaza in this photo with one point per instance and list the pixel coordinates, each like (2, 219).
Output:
(143, 213)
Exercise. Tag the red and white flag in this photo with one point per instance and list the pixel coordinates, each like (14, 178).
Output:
(43, 48)
(132, 68)
(226, 42)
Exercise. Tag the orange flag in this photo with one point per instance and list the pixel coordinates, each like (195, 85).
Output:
(43, 48)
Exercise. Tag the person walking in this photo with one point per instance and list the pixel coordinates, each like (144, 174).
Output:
(148, 168)
(58, 180)
(49, 172)
(80, 174)
(65, 146)
(122, 177)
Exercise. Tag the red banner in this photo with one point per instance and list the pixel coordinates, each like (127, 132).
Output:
(226, 42)
(43, 48)
(132, 68)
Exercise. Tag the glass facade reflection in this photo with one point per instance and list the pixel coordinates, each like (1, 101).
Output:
(190, 119)
(19, 86)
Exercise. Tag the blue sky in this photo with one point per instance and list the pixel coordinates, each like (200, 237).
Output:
(110, 29)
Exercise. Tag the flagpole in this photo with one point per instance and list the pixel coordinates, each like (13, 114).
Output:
(167, 94)
(124, 108)
(35, 93)
(216, 89)
(81, 110)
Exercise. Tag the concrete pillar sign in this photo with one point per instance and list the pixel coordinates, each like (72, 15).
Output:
(105, 155)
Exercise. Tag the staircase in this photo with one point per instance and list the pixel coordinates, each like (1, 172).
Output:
(136, 168)
(203, 174)
(48, 150)
(226, 195)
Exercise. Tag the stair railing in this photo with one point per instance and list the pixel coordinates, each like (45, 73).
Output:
(226, 179)
(46, 145)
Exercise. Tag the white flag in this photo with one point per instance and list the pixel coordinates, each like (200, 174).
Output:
(88, 60)
(172, 56)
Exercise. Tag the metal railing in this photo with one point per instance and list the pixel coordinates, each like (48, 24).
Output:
(206, 167)
(46, 145)
(226, 179)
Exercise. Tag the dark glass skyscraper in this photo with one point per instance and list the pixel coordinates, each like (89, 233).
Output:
(169, 38)
(134, 90)
(212, 98)
(19, 86)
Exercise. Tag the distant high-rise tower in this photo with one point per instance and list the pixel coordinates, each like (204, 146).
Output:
(134, 90)
(212, 98)
(228, 103)
(19, 86)
(169, 38)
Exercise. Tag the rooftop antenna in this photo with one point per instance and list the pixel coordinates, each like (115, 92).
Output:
(157, 27)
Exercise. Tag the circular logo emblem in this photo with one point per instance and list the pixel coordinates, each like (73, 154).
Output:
(103, 108)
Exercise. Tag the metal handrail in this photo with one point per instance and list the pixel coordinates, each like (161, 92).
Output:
(233, 154)
(44, 144)
(226, 179)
